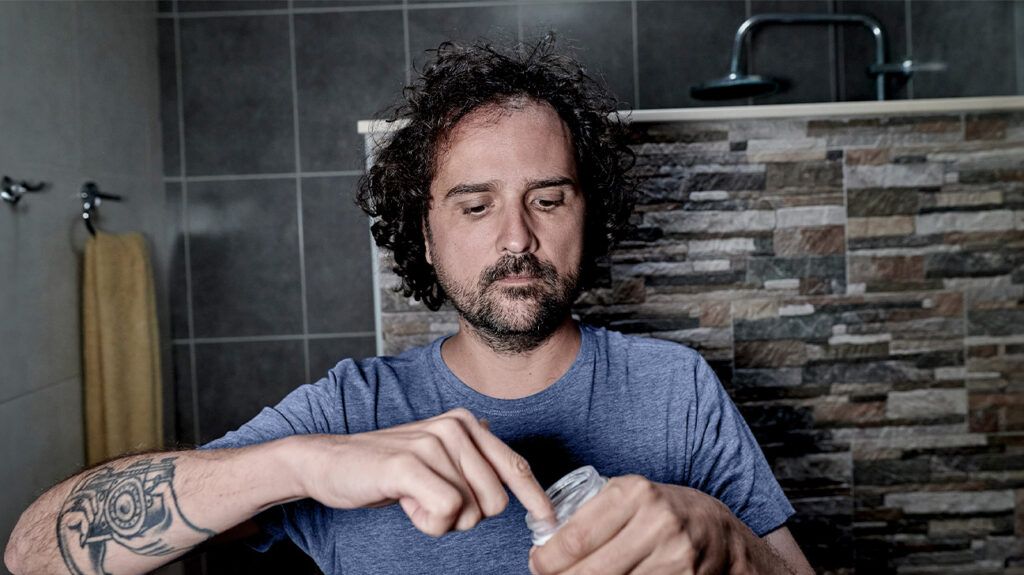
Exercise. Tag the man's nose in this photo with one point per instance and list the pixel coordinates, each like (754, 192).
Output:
(516, 235)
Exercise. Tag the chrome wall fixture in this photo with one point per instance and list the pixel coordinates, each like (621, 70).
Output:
(11, 191)
(740, 84)
(91, 199)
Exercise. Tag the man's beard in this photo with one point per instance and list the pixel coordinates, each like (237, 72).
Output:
(504, 326)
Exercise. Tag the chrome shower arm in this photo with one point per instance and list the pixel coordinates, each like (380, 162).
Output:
(776, 18)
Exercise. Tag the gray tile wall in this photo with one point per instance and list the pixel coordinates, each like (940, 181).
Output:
(80, 102)
(270, 279)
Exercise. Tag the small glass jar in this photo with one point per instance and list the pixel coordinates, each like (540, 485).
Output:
(566, 495)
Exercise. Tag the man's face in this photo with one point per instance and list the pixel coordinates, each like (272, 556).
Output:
(506, 223)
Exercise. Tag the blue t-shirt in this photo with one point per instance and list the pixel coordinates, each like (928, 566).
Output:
(627, 405)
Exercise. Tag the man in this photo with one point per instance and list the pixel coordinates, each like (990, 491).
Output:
(504, 186)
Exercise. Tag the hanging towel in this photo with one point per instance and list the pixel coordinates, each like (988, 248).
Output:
(121, 350)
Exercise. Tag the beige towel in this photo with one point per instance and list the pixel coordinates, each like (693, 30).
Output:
(121, 349)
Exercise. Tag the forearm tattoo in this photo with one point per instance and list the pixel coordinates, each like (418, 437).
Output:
(135, 507)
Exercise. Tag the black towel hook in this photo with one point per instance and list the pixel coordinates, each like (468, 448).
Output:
(91, 198)
(11, 191)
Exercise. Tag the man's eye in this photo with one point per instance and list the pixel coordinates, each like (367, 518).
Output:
(474, 210)
(548, 204)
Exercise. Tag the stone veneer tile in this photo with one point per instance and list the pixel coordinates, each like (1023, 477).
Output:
(895, 176)
(810, 216)
(973, 263)
(985, 126)
(809, 241)
(867, 156)
(952, 502)
(722, 246)
(804, 176)
(765, 156)
(977, 198)
(715, 314)
(875, 202)
(890, 271)
(770, 354)
(816, 275)
(703, 222)
(964, 222)
(921, 403)
(875, 227)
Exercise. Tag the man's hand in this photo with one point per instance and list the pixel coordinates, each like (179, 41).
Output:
(638, 526)
(446, 472)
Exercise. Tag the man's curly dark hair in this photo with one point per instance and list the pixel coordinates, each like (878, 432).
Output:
(395, 192)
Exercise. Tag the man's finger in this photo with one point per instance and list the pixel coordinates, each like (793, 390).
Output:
(436, 454)
(484, 482)
(632, 550)
(591, 527)
(431, 502)
(513, 469)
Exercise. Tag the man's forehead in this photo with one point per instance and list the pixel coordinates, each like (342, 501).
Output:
(488, 117)
(485, 120)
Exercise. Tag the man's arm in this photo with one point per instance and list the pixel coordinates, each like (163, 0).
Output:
(786, 548)
(139, 512)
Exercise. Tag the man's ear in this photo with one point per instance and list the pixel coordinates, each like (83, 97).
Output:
(426, 238)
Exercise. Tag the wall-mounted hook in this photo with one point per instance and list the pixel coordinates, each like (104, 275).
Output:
(11, 191)
(91, 198)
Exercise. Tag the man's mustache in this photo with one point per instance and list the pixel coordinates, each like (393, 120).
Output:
(525, 265)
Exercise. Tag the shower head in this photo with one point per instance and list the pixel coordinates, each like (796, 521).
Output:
(740, 84)
(736, 86)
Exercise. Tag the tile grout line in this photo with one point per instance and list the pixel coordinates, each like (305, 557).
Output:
(267, 176)
(60, 381)
(186, 232)
(298, 189)
(748, 46)
(190, 315)
(833, 48)
(519, 23)
(272, 338)
(964, 294)
(389, 7)
(77, 64)
(846, 225)
(910, 46)
(839, 55)
(636, 55)
(405, 40)
(1018, 26)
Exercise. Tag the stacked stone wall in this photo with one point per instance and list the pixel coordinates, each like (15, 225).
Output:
(858, 286)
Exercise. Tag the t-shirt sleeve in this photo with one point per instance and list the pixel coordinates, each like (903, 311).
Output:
(727, 462)
(308, 409)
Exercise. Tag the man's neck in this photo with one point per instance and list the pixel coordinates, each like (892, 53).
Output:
(511, 376)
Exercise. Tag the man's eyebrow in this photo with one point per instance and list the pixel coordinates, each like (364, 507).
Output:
(481, 187)
(460, 189)
(555, 182)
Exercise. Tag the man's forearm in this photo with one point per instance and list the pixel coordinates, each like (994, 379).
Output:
(139, 512)
(779, 557)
